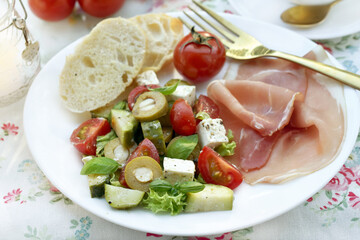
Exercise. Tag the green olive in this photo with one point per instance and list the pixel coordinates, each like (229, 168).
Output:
(150, 106)
(141, 171)
(174, 81)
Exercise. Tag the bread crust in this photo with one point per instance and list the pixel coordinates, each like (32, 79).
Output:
(103, 65)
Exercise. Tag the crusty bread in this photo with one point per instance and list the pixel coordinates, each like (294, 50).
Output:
(163, 33)
(103, 65)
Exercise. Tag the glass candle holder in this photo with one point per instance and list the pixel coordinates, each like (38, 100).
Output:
(19, 53)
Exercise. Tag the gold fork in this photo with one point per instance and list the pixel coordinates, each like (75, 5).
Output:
(243, 46)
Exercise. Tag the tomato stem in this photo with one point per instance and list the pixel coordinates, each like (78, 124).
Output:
(197, 38)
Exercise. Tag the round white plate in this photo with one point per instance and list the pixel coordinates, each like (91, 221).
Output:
(343, 18)
(48, 126)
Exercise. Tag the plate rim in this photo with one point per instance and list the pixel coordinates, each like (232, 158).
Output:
(144, 229)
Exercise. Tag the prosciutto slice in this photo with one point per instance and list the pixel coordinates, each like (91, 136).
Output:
(264, 107)
(282, 129)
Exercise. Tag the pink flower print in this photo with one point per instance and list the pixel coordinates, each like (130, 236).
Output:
(225, 236)
(356, 176)
(153, 235)
(310, 199)
(340, 182)
(54, 189)
(13, 196)
(198, 238)
(228, 11)
(9, 129)
(349, 174)
(354, 200)
(158, 3)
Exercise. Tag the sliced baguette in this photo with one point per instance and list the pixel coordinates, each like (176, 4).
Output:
(163, 33)
(103, 65)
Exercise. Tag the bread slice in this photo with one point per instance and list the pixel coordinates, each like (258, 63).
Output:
(103, 65)
(163, 33)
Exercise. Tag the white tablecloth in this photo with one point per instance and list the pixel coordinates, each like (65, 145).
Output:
(32, 208)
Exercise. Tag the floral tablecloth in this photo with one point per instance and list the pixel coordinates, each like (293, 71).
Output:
(32, 208)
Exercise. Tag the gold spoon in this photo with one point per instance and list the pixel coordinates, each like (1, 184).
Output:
(307, 15)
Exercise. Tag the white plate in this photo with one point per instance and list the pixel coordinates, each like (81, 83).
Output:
(343, 18)
(48, 126)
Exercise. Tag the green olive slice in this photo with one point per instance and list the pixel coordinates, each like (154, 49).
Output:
(150, 106)
(115, 150)
(141, 171)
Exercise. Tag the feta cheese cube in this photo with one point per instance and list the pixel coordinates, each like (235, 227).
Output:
(146, 78)
(186, 92)
(178, 170)
(211, 132)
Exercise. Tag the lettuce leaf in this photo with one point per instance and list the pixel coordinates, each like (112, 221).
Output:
(226, 149)
(159, 202)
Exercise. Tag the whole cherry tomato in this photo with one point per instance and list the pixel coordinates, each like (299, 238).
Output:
(182, 118)
(101, 8)
(199, 56)
(137, 91)
(52, 10)
(214, 169)
(84, 137)
(145, 148)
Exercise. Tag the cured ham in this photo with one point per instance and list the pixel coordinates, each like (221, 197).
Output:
(264, 107)
(301, 125)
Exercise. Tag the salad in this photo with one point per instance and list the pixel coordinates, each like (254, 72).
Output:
(162, 148)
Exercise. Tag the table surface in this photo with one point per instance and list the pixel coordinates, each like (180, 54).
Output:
(32, 208)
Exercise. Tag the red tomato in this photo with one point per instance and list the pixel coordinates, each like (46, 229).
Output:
(101, 8)
(182, 118)
(145, 148)
(84, 137)
(137, 91)
(214, 169)
(52, 10)
(199, 56)
(206, 104)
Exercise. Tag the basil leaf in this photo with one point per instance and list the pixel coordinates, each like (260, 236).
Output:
(101, 141)
(166, 90)
(160, 185)
(100, 165)
(202, 115)
(193, 187)
(182, 147)
(226, 149)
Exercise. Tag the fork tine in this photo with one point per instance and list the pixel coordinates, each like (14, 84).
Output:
(223, 40)
(185, 23)
(224, 22)
(221, 30)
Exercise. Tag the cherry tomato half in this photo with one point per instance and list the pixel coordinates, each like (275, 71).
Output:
(84, 137)
(182, 118)
(199, 56)
(133, 95)
(145, 148)
(101, 8)
(214, 169)
(206, 104)
(52, 10)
